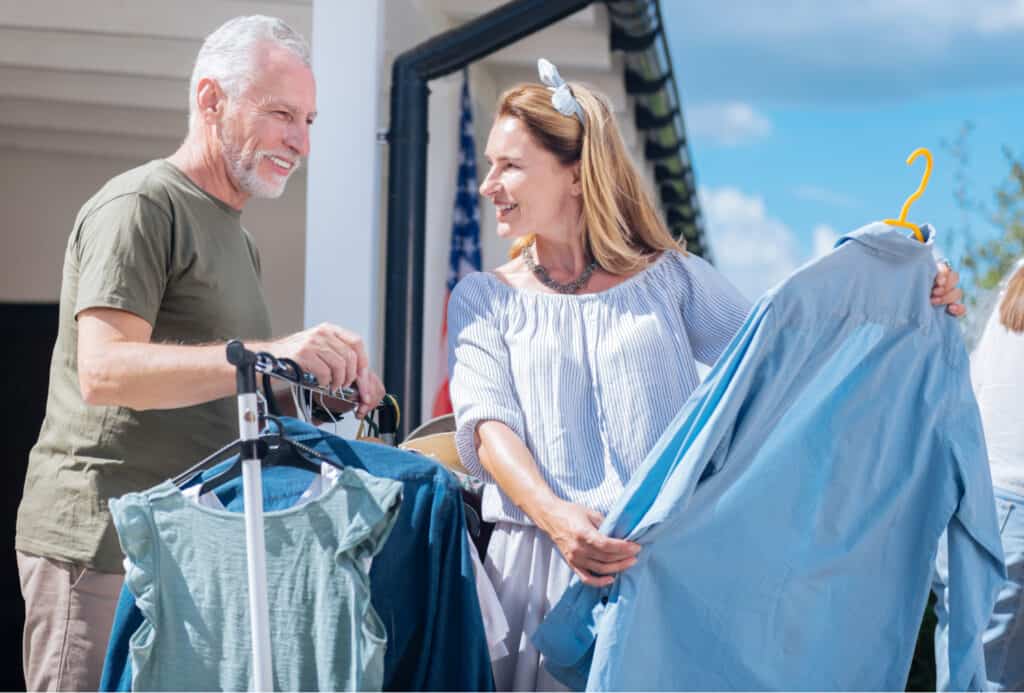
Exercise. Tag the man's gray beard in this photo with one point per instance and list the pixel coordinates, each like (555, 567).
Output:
(247, 178)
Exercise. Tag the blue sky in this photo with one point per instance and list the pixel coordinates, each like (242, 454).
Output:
(801, 114)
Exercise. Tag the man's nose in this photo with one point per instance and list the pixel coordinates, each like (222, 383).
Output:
(297, 138)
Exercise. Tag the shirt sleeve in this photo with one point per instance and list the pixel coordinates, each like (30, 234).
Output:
(713, 309)
(480, 371)
(975, 557)
(123, 250)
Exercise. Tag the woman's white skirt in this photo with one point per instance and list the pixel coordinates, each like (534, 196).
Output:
(529, 576)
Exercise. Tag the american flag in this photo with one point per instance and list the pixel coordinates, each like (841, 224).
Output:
(465, 249)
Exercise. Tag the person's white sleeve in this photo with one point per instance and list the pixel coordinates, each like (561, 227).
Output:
(713, 309)
(481, 385)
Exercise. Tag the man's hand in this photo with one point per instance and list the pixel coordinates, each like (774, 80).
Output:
(337, 357)
(371, 392)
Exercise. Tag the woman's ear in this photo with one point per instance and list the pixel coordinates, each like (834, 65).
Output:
(577, 181)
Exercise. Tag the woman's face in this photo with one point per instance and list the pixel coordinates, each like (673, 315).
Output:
(531, 190)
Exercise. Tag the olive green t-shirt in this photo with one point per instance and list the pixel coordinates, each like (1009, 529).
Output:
(153, 243)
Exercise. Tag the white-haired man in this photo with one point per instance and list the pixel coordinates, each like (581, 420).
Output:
(158, 273)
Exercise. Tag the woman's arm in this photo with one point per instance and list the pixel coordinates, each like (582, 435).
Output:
(572, 527)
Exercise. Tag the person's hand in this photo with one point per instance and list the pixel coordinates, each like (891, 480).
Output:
(334, 355)
(946, 292)
(593, 556)
(371, 392)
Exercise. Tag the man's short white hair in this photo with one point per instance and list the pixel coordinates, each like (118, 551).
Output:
(227, 53)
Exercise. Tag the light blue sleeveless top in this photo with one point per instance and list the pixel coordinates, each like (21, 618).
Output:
(186, 566)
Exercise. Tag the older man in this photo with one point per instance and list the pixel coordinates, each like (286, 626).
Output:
(158, 273)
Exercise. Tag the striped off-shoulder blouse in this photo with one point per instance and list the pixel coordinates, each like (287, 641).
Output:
(590, 381)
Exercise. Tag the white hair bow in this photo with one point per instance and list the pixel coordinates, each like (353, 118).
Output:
(561, 95)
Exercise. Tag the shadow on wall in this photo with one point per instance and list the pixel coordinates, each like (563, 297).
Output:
(28, 334)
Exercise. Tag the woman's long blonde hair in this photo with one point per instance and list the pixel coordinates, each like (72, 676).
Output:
(1011, 308)
(622, 229)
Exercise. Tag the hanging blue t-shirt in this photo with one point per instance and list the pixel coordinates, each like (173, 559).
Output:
(422, 582)
(791, 513)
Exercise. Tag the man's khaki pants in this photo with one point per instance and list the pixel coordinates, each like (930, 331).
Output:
(69, 611)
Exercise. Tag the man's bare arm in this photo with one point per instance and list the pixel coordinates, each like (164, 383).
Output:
(118, 365)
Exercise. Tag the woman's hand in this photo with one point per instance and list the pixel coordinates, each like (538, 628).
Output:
(946, 292)
(573, 528)
(593, 556)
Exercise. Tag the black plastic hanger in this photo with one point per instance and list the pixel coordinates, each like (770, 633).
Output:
(275, 449)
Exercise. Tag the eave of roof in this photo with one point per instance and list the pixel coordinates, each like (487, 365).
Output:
(638, 32)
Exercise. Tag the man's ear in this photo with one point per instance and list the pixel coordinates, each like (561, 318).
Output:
(210, 99)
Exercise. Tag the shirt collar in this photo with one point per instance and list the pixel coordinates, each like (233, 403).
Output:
(893, 240)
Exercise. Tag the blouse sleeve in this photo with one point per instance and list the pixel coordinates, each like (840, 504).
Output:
(481, 384)
(713, 309)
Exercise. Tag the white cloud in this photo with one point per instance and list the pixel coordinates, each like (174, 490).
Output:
(1002, 17)
(903, 18)
(823, 237)
(752, 249)
(729, 123)
(808, 51)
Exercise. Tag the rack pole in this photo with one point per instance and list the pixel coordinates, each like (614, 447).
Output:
(252, 485)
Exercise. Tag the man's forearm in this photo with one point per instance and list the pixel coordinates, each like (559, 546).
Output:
(118, 365)
(157, 376)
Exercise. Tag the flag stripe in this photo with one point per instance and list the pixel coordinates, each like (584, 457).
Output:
(464, 256)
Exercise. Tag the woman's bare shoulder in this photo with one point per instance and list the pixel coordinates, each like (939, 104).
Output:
(513, 273)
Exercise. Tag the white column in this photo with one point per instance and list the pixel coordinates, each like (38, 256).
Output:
(344, 284)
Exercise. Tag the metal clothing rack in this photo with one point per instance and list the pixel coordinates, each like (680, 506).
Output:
(244, 362)
(247, 364)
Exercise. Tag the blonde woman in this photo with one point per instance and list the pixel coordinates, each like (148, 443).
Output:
(997, 373)
(569, 361)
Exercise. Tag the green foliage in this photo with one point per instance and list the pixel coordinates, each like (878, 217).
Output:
(984, 264)
(991, 261)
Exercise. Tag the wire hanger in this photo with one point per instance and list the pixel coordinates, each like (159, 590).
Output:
(902, 221)
(330, 415)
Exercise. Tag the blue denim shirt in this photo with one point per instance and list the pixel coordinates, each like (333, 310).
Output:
(422, 581)
(791, 513)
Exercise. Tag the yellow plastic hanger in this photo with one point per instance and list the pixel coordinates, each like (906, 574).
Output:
(902, 221)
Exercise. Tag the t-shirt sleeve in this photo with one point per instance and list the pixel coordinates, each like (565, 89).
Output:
(713, 309)
(123, 250)
(481, 384)
(974, 549)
